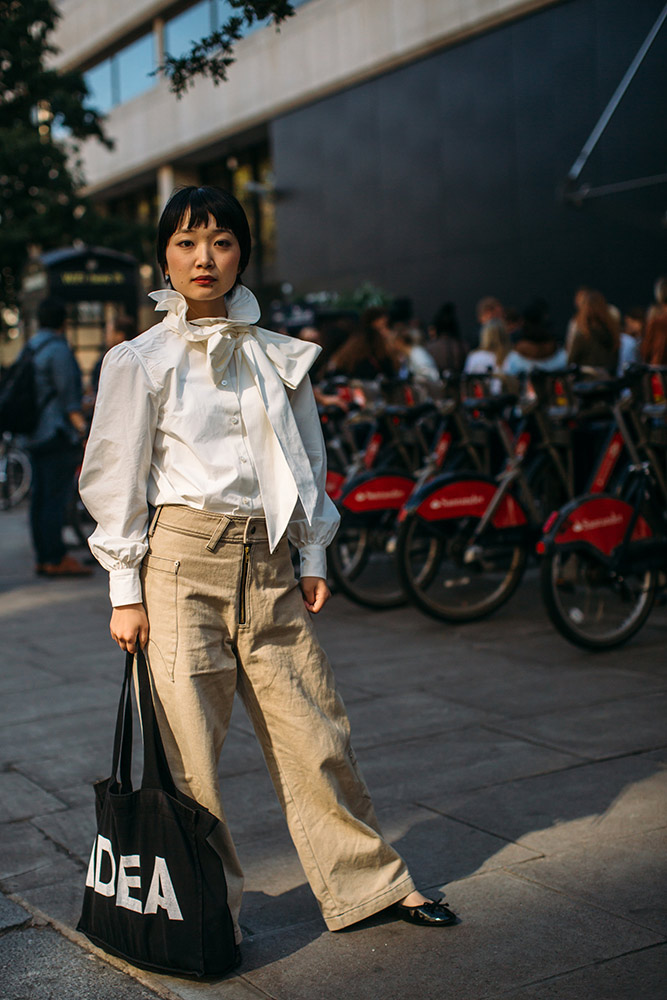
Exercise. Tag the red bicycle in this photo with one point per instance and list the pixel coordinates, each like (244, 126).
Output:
(604, 555)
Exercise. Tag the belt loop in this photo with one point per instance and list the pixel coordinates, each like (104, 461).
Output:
(247, 529)
(220, 529)
(153, 524)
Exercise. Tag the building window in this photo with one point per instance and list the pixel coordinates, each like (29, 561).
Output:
(125, 75)
(200, 20)
(100, 91)
(184, 29)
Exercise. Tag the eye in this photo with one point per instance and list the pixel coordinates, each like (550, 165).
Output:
(184, 243)
(223, 243)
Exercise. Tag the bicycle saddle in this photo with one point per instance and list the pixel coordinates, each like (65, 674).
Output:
(600, 389)
(491, 405)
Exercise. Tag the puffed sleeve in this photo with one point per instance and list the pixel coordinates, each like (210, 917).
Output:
(116, 467)
(312, 539)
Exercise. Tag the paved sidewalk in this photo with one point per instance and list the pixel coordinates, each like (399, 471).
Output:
(524, 776)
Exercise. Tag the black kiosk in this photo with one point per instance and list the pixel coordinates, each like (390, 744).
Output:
(96, 284)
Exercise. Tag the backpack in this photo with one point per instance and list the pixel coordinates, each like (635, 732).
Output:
(19, 409)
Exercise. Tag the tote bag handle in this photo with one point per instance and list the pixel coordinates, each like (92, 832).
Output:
(156, 768)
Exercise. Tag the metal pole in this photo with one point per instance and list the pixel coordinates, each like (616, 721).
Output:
(592, 140)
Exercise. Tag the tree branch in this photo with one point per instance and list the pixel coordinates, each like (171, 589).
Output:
(211, 56)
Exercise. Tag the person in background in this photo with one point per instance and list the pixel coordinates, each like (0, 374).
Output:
(597, 336)
(402, 319)
(631, 338)
(654, 344)
(368, 352)
(445, 345)
(489, 310)
(578, 303)
(415, 359)
(329, 333)
(634, 323)
(117, 330)
(536, 347)
(513, 321)
(494, 346)
(55, 445)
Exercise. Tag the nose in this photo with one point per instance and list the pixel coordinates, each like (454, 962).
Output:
(204, 257)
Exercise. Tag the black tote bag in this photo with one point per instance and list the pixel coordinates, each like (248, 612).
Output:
(155, 891)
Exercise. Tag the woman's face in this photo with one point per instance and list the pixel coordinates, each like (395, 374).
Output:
(203, 264)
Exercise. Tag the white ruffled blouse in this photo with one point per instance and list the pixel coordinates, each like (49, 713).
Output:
(216, 414)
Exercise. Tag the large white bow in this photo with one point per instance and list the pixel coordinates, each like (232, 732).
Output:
(265, 363)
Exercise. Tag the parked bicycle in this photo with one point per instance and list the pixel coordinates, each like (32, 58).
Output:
(604, 555)
(405, 447)
(15, 472)
(465, 538)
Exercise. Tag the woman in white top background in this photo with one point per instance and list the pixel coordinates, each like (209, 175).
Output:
(211, 421)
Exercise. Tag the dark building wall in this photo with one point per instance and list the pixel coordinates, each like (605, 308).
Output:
(440, 180)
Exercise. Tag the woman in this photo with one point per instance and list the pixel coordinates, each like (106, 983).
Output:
(445, 345)
(596, 338)
(654, 345)
(535, 347)
(415, 359)
(494, 346)
(370, 351)
(212, 421)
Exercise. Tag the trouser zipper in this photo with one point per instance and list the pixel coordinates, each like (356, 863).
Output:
(244, 578)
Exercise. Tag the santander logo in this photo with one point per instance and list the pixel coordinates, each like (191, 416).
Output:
(610, 521)
(365, 496)
(446, 503)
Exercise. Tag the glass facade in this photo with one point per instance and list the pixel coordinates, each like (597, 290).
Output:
(123, 76)
(189, 26)
(127, 73)
(200, 20)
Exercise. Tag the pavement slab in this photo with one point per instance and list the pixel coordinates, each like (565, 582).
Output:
(90, 734)
(465, 759)
(627, 877)
(601, 729)
(74, 829)
(598, 803)
(629, 977)
(390, 718)
(61, 699)
(21, 798)
(11, 915)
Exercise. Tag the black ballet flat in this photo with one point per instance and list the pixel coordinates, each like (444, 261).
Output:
(430, 914)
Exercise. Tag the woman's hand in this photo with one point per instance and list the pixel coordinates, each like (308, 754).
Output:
(129, 622)
(315, 593)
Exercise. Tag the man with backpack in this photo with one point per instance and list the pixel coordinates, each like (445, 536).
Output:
(55, 442)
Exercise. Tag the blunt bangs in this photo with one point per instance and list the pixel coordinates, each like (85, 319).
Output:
(193, 206)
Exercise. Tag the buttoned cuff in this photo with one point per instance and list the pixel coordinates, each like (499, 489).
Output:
(125, 587)
(313, 561)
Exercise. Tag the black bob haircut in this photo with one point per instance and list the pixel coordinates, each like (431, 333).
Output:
(194, 205)
(51, 313)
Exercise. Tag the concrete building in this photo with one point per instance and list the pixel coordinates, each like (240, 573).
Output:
(421, 145)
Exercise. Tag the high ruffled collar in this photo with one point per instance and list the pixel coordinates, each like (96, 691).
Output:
(242, 312)
(265, 363)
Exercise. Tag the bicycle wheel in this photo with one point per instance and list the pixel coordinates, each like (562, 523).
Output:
(15, 478)
(451, 578)
(362, 559)
(78, 519)
(592, 605)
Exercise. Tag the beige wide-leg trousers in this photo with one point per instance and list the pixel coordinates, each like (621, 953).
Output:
(226, 615)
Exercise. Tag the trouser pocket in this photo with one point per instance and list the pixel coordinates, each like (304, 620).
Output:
(159, 576)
